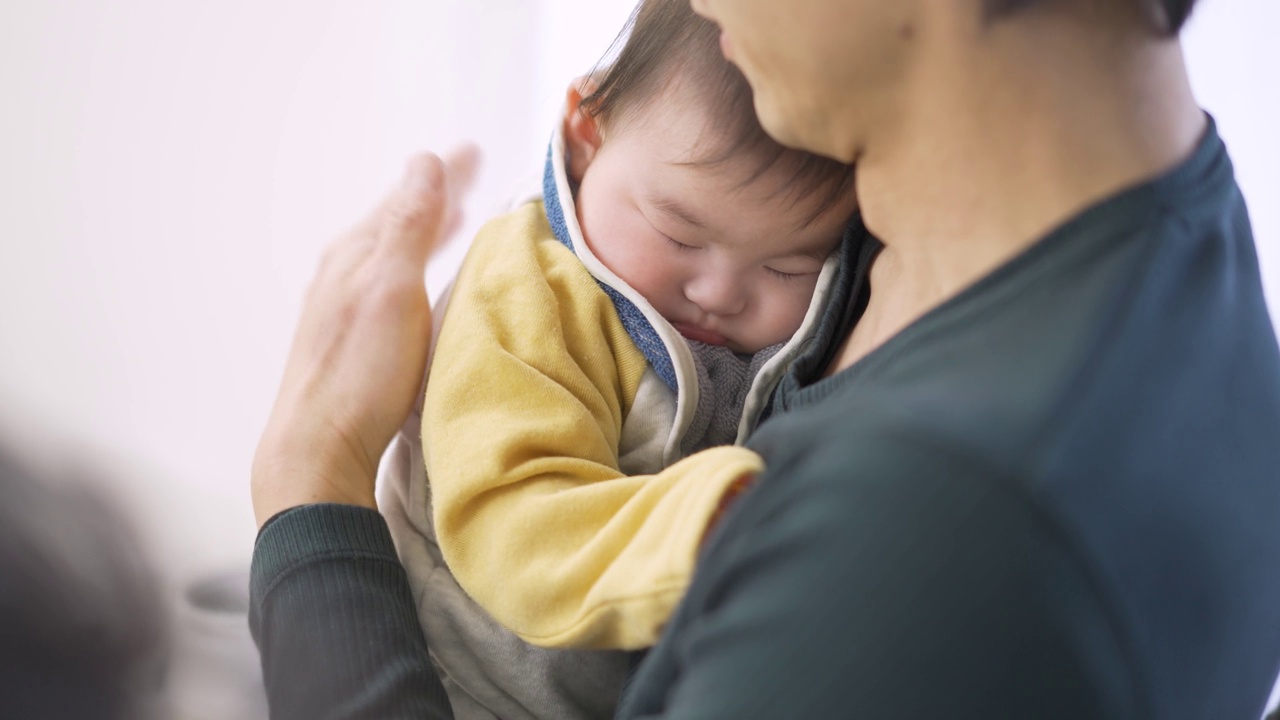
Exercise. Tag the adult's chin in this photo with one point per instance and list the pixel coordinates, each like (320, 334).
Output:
(790, 124)
(778, 118)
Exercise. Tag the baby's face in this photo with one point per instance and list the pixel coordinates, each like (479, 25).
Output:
(725, 263)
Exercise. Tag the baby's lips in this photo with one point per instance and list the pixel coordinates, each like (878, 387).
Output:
(700, 334)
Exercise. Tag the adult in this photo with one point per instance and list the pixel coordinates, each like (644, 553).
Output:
(1028, 468)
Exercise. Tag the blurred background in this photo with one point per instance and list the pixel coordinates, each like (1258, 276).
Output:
(170, 170)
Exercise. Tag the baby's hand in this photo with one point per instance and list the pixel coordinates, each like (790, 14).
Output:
(731, 494)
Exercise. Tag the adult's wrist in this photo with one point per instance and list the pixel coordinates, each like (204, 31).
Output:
(291, 469)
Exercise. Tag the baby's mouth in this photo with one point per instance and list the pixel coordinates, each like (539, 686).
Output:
(700, 334)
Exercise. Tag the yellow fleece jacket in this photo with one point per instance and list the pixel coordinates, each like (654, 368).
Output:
(533, 382)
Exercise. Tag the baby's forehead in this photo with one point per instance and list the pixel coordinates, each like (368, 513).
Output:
(685, 141)
(766, 173)
(798, 193)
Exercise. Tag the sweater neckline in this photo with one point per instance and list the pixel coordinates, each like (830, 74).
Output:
(1204, 170)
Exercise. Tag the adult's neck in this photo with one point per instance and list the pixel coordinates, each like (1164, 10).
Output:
(1004, 132)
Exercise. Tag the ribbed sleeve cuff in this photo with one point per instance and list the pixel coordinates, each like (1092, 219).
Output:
(335, 622)
(296, 536)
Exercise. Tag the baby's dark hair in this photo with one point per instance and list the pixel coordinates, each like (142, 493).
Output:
(665, 37)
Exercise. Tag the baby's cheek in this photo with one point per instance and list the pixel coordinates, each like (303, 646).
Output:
(607, 246)
(646, 277)
(791, 312)
(769, 327)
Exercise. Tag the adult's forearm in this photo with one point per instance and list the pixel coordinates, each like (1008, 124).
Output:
(334, 620)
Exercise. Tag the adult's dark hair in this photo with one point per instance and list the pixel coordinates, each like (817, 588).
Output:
(664, 37)
(82, 630)
(1169, 15)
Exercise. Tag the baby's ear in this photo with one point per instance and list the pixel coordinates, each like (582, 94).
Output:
(581, 130)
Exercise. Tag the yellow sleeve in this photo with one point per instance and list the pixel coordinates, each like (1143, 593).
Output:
(532, 378)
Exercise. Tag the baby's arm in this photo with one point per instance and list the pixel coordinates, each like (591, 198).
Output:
(531, 381)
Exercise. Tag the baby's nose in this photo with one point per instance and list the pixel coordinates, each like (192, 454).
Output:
(721, 293)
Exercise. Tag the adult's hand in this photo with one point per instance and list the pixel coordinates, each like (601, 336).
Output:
(360, 348)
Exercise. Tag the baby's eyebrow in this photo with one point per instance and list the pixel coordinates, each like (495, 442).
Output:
(677, 211)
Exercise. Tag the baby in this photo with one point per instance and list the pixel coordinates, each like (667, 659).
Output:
(602, 350)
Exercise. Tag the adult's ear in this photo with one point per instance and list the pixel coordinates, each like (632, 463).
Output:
(581, 130)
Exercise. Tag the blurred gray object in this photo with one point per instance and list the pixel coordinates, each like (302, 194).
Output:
(216, 674)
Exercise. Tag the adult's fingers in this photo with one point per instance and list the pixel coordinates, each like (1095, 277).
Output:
(463, 165)
(410, 222)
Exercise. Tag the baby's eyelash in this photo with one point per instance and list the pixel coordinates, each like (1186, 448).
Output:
(679, 245)
(785, 276)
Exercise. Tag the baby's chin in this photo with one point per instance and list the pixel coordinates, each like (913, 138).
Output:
(751, 346)
(743, 353)
(748, 349)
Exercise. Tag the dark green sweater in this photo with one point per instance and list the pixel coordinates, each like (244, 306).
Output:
(1054, 496)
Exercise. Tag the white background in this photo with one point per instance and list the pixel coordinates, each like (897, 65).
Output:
(169, 170)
